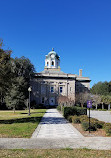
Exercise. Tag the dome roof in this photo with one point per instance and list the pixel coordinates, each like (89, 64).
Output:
(52, 52)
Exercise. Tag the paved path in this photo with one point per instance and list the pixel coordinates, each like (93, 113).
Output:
(100, 143)
(55, 132)
(101, 115)
(53, 125)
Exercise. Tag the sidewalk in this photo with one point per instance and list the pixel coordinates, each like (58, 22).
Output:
(55, 132)
(54, 125)
(98, 143)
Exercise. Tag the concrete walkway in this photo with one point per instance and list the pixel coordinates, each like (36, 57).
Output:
(98, 143)
(54, 125)
(55, 132)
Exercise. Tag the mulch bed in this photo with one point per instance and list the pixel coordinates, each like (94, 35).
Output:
(98, 133)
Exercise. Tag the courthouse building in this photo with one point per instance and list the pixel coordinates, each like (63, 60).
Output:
(52, 82)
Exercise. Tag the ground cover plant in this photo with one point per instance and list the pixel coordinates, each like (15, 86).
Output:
(107, 128)
(19, 124)
(74, 115)
(102, 128)
(55, 153)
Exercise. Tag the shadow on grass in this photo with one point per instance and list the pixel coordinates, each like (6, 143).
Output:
(36, 112)
(31, 112)
(21, 120)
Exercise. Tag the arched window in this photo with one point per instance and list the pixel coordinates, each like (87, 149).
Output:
(47, 63)
(52, 63)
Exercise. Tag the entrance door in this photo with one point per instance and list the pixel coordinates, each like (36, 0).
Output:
(52, 101)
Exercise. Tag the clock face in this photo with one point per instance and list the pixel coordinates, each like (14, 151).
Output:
(52, 55)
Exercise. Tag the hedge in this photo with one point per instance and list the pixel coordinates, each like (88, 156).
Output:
(74, 111)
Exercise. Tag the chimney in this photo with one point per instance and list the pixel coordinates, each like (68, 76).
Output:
(80, 72)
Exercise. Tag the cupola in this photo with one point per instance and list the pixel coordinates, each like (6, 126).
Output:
(52, 60)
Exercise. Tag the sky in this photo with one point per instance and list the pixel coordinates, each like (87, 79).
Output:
(78, 30)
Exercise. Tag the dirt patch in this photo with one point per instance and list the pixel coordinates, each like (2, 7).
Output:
(98, 133)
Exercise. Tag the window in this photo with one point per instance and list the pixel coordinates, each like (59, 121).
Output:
(52, 89)
(47, 63)
(61, 89)
(42, 100)
(43, 89)
(42, 82)
(52, 63)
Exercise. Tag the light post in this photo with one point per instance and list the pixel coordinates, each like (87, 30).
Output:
(29, 89)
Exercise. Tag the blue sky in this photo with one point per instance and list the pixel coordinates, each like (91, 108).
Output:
(79, 31)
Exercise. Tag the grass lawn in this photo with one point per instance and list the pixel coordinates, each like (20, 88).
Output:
(19, 124)
(55, 153)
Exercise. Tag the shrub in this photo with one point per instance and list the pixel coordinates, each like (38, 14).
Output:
(74, 111)
(59, 107)
(69, 111)
(78, 105)
(84, 118)
(76, 119)
(107, 128)
(85, 126)
(100, 124)
(97, 124)
(81, 111)
(70, 118)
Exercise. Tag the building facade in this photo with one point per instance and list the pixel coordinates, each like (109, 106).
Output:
(51, 83)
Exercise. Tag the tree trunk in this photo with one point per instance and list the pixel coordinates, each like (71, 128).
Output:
(109, 107)
(14, 110)
(61, 107)
(102, 106)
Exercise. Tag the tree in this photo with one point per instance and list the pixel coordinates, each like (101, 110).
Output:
(101, 88)
(15, 97)
(81, 98)
(63, 100)
(96, 99)
(5, 72)
(23, 67)
(13, 73)
(106, 100)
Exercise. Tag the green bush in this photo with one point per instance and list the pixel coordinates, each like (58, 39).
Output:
(76, 119)
(97, 124)
(74, 111)
(85, 126)
(59, 107)
(81, 111)
(70, 118)
(100, 124)
(107, 128)
(84, 118)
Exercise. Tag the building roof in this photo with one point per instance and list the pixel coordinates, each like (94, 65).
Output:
(52, 71)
